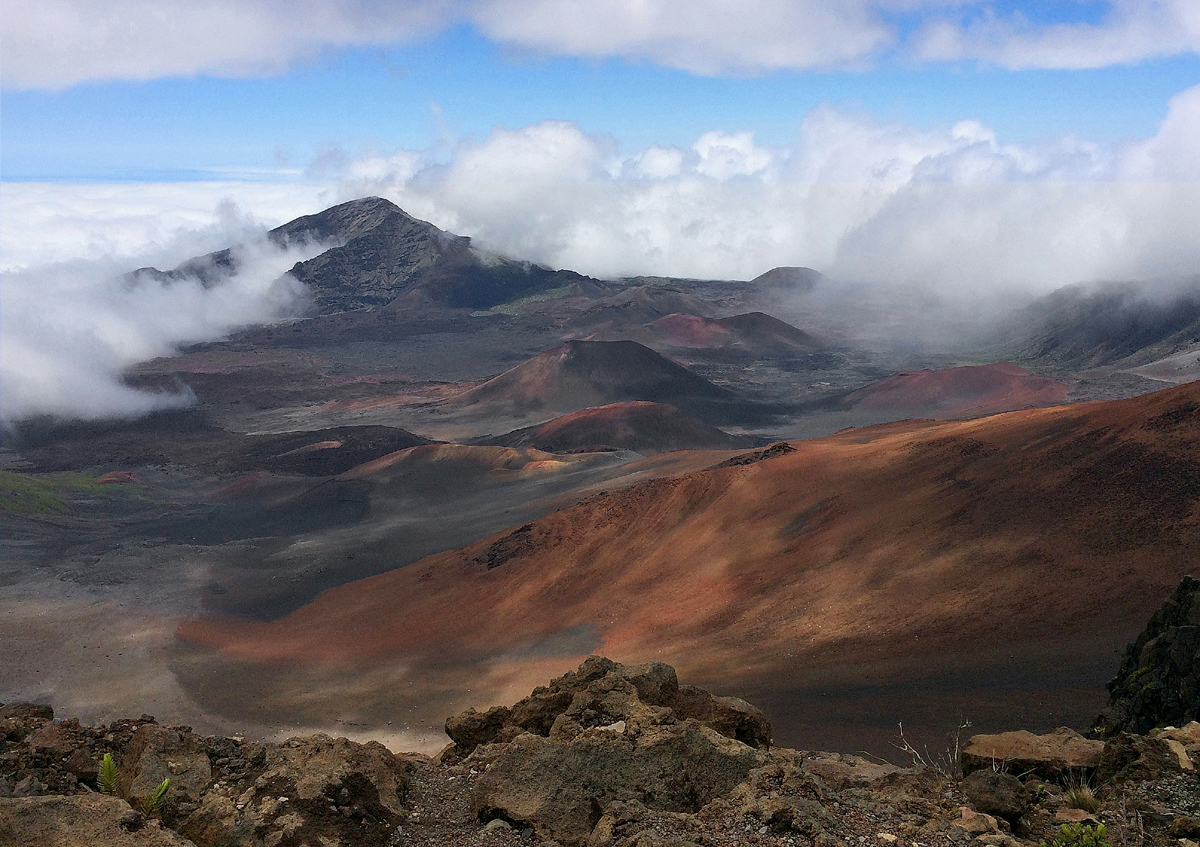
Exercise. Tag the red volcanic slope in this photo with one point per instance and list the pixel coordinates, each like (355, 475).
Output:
(633, 425)
(580, 374)
(753, 332)
(1039, 527)
(961, 392)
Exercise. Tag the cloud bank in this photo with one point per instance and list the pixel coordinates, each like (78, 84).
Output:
(68, 330)
(54, 44)
(954, 209)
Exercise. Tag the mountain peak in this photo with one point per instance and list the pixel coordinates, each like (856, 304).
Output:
(344, 221)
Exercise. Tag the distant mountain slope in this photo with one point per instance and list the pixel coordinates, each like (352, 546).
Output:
(637, 425)
(190, 439)
(970, 391)
(1008, 556)
(580, 374)
(634, 306)
(383, 256)
(1088, 326)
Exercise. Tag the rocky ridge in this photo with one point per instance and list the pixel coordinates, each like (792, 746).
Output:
(605, 756)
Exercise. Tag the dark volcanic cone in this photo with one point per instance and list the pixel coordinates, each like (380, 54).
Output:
(636, 425)
(796, 280)
(580, 374)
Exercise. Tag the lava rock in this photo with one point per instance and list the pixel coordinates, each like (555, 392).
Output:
(1159, 679)
(999, 794)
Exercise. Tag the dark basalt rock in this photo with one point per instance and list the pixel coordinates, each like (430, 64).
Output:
(1159, 680)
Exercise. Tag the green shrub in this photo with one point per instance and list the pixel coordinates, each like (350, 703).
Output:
(1082, 797)
(150, 804)
(1078, 835)
(106, 781)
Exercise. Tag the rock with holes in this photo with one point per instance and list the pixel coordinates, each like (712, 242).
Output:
(563, 786)
(316, 790)
(1129, 757)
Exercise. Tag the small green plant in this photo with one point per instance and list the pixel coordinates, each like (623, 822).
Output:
(108, 776)
(152, 803)
(1082, 797)
(1078, 835)
(106, 781)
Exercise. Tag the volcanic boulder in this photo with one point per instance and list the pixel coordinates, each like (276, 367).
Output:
(1159, 679)
(1051, 756)
(314, 789)
(605, 734)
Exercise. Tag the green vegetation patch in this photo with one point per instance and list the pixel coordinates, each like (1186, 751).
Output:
(513, 307)
(29, 494)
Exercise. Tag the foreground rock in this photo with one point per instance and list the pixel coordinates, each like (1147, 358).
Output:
(605, 756)
(1054, 756)
(81, 820)
(1159, 679)
(602, 693)
(558, 759)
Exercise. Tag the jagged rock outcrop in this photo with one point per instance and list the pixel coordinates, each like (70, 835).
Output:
(601, 693)
(1159, 679)
(604, 734)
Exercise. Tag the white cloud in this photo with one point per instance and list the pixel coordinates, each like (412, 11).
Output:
(954, 208)
(1130, 32)
(702, 36)
(57, 43)
(54, 44)
(69, 329)
(159, 224)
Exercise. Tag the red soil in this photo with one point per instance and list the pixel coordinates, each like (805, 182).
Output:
(929, 546)
(753, 332)
(119, 478)
(580, 374)
(961, 392)
(691, 331)
(632, 425)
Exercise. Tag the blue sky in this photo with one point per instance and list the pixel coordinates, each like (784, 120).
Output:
(456, 78)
